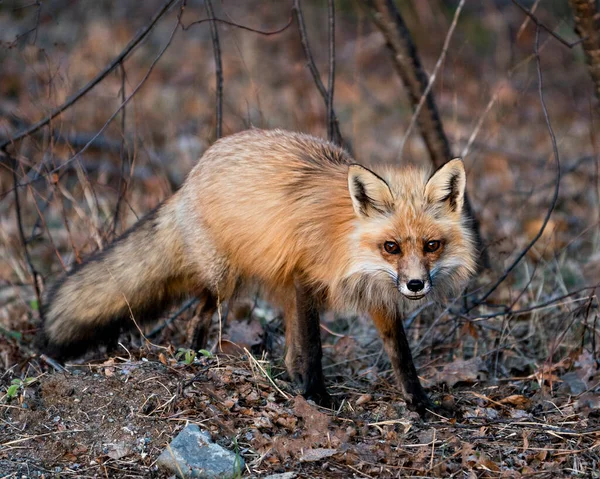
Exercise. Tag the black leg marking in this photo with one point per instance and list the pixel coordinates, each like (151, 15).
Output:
(396, 345)
(201, 324)
(304, 347)
(407, 373)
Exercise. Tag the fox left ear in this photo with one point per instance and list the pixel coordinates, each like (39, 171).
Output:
(447, 185)
(370, 194)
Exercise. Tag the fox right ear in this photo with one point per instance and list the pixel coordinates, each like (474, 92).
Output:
(447, 185)
(370, 194)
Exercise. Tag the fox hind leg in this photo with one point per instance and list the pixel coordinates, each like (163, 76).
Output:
(303, 346)
(200, 324)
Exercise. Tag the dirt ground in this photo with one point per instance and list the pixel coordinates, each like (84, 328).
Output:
(519, 369)
(113, 419)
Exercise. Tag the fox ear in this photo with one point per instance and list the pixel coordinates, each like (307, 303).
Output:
(370, 194)
(447, 185)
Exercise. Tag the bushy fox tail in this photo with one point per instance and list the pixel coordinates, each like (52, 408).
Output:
(135, 278)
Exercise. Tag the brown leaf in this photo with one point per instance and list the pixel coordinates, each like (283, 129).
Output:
(311, 455)
(245, 334)
(489, 464)
(516, 400)
(163, 359)
(365, 398)
(118, 450)
(315, 422)
(548, 244)
(461, 371)
(228, 403)
(289, 422)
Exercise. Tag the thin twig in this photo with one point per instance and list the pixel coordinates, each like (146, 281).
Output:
(313, 67)
(33, 29)
(103, 74)
(214, 33)
(56, 365)
(539, 24)
(29, 438)
(253, 360)
(187, 305)
(526, 21)
(122, 183)
(32, 270)
(243, 27)
(432, 78)
(116, 112)
(331, 135)
(534, 307)
(557, 183)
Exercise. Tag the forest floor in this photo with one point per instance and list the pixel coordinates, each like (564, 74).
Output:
(519, 370)
(113, 419)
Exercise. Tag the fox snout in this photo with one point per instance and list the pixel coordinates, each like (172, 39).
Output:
(415, 288)
(414, 280)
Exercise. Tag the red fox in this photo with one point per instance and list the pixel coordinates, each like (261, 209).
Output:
(296, 214)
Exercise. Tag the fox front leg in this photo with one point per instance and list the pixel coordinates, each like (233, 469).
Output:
(396, 346)
(303, 345)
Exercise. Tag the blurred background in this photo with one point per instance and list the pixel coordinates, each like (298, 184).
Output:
(515, 357)
(95, 169)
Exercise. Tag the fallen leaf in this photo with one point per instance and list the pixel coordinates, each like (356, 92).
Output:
(462, 371)
(118, 450)
(311, 455)
(516, 400)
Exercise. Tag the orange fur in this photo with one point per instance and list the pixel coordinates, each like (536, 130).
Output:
(281, 209)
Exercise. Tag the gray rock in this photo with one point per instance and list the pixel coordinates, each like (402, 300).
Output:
(193, 454)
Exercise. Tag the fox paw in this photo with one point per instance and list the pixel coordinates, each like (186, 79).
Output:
(320, 397)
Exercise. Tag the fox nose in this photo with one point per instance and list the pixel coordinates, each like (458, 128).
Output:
(415, 285)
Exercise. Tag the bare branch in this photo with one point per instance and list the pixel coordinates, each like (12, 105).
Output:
(331, 132)
(557, 182)
(408, 66)
(122, 154)
(537, 21)
(427, 92)
(242, 27)
(103, 74)
(587, 26)
(313, 67)
(218, 67)
(32, 270)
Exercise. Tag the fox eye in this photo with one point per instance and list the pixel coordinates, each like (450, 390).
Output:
(391, 247)
(432, 246)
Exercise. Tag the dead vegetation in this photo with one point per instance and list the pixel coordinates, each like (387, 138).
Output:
(515, 357)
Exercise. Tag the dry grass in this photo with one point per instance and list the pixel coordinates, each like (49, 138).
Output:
(521, 369)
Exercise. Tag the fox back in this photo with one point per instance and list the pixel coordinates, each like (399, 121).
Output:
(280, 204)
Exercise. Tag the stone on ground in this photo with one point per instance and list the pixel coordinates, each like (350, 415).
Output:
(192, 454)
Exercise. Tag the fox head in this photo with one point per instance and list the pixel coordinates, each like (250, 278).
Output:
(410, 234)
